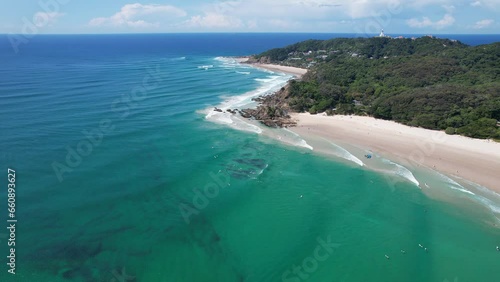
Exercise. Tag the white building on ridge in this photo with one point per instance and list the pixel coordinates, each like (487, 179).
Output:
(382, 34)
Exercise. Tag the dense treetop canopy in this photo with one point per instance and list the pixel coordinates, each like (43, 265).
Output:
(426, 82)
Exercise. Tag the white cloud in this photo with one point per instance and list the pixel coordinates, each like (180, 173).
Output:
(488, 4)
(324, 15)
(358, 9)
(446, 21)
(214, 20)
(142, 24)
(291, 15)
(483, 23)
(215, 16)
(42, 19)
(420, 4)
(282, 24)
(449, 8)
(491, 4)
(301, 10)
(133, 15)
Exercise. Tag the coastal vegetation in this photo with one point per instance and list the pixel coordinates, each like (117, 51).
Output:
(426, 82)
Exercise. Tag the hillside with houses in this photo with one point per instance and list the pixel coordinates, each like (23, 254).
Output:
(427, 82)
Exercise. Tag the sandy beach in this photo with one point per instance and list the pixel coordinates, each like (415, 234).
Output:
(297, 72)
(472, 159)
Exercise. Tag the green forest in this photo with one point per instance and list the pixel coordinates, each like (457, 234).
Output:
(426, 82)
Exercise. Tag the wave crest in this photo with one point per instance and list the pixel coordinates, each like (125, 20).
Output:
(403, 172)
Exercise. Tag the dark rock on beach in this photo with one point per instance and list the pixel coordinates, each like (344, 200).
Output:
(261, 60)
(272, 111)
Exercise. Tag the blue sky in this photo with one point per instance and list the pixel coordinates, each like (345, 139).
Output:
(334, 16)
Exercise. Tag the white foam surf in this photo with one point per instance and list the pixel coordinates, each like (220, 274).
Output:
(487, 197)
(232, 121)
(454, 185)
(494, 207)
(343, 153)
(297, 140)
(402, 171)
(230, 63)
(268, 79)
(268, 86)
(206, 67)
(302, 143)
(256, 175)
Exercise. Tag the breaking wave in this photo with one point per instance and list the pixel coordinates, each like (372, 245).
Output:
(402, 171)
(343, 153)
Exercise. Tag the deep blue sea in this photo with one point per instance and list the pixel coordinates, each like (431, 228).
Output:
(124, 173)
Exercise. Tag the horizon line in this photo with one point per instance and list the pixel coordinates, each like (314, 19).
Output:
(243, 32)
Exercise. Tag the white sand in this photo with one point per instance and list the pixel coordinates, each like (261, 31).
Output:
(297, 72)
(468, 158)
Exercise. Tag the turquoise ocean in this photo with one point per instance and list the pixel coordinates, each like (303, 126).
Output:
(125, 173)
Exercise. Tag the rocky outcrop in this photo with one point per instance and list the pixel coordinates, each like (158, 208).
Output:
(261, 60)
(272, 110)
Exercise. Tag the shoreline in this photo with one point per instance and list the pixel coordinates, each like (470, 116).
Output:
(297, 72)
(471, 159)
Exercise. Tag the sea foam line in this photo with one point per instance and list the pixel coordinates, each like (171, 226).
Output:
(493, 205)
(346, 154)
(268, 85)
(403, 171)
(231, 63)
(454, 185)
(206, 67)
(301, 143)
